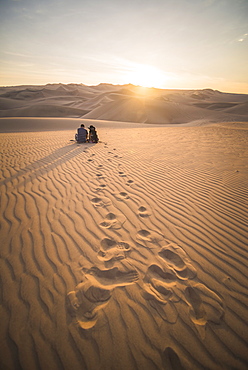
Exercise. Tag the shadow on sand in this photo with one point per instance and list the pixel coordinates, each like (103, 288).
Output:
(48, 163)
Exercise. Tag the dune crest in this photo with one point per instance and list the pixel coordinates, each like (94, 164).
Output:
(126, 103)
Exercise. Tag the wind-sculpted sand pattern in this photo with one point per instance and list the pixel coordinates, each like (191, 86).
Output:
(124, 256)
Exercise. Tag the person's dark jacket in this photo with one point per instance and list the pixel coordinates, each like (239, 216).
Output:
(82, 134)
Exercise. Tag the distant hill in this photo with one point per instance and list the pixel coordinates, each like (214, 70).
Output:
(122, 103)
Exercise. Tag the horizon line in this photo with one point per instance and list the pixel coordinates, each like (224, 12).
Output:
(127, 84)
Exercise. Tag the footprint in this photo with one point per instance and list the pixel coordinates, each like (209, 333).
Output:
(100, 187)
(111, 221)
(158, 285)
(97, 201)
(122, 196)
(107, 244)
(129, 182)
(73, 301)
(167, 311)
(176, 258)
(112, 250)
(171, 360)
(164, 275)
(172, 258)
(197, 312)
(100, 202)
(122, 174)
(159, 290)
(204, 304)
(85, 323)
(143, 212)
(96, 294)
(111, 277)
(111, 217)
(149, 236)
(86, 302)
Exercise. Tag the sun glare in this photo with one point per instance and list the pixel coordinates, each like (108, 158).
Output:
(146, 76)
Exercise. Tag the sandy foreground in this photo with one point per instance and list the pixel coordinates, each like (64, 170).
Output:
(126, 254)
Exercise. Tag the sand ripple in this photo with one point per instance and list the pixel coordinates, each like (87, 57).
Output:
(125, 256)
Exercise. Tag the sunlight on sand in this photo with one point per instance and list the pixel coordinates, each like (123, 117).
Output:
(130, 253)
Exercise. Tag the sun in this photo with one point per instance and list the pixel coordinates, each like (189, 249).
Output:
(146, 76)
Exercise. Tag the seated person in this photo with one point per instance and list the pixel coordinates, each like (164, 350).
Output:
(93, 138)
(82, 134)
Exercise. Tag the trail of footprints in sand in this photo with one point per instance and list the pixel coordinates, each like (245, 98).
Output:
(171, 277)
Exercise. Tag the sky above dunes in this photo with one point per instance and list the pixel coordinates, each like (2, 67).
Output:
(161, 43)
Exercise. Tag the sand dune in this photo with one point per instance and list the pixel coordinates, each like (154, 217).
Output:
(242, 109)
(126, 254)
(125, 103)
(130, 253)
(46, 110)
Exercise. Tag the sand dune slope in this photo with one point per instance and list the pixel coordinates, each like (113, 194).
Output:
(123, 256)
(125, 103)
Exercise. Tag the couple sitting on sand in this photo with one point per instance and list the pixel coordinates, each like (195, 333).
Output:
(82, 135)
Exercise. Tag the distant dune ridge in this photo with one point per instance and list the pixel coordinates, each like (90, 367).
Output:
(130, 253)
(125, 103)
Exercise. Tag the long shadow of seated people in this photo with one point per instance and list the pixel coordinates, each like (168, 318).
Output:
(48, 163)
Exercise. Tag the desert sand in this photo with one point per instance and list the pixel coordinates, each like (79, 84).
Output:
(130, 253)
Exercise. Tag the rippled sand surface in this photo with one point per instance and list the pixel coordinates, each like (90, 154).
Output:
(126, 254)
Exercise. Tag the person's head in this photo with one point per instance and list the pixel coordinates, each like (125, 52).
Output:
(82, 125)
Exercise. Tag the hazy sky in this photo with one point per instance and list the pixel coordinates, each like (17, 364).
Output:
(165, 43)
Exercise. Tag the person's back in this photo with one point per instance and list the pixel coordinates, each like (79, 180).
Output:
(81, 134)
